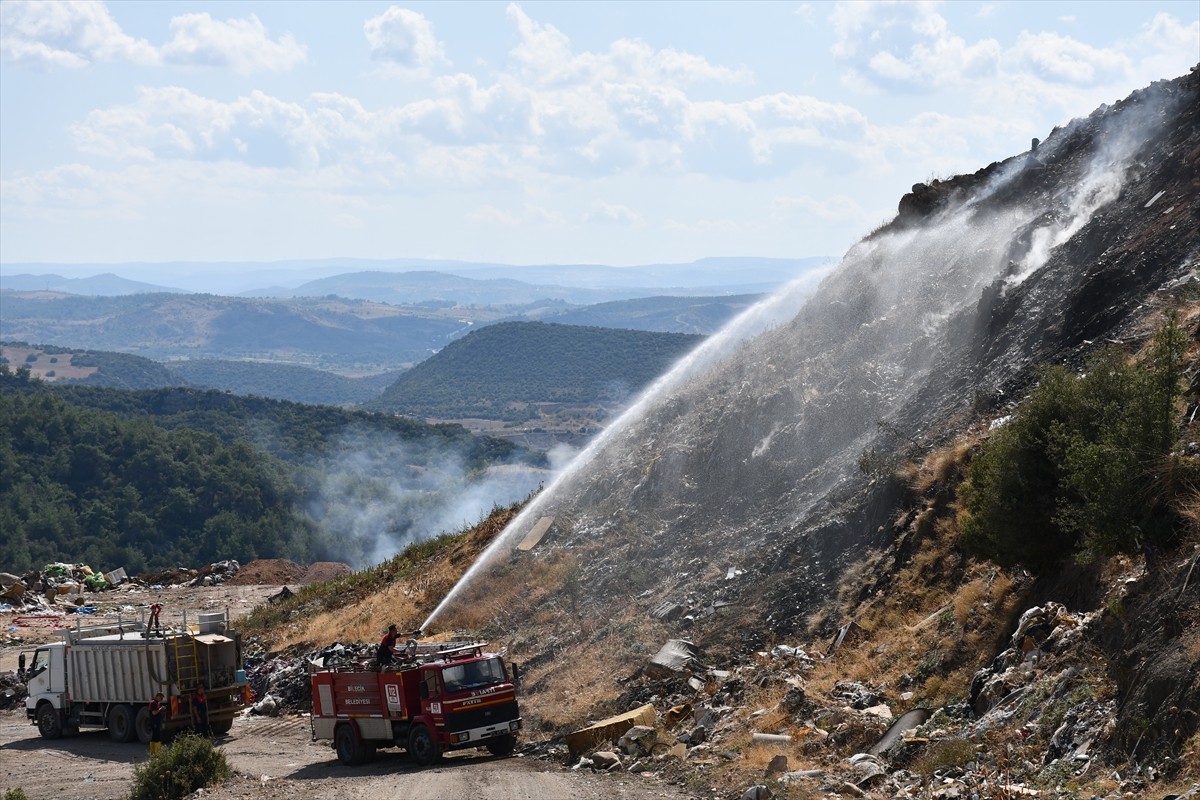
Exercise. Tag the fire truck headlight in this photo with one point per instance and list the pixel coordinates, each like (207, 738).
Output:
(515, 725)
(460, 737)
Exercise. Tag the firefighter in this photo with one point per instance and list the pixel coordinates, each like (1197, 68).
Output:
(200, 711)
(386, 653)
(158, 710)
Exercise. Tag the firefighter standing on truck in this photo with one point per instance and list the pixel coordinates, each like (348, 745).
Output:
(386, 653)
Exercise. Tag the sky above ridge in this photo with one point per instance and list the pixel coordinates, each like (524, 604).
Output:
(533, 132)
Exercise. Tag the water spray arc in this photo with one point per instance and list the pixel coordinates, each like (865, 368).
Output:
(770, 311)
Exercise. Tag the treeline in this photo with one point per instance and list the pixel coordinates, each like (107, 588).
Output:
(79, 484)
(176, 476)
(515, 363)
(279, 381)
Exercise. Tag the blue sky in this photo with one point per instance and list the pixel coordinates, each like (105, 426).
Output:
(534, 132)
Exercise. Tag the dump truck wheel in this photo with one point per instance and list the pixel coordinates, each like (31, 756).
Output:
(48, 722)
(141, 725)
(349, 748)
(120, 724)
(421, 746)
(502, 745)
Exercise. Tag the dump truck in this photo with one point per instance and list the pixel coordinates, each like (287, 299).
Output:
(104, 676)
(439, 697)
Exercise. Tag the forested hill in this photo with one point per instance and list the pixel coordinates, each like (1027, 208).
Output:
(520, 363)
(181, 476)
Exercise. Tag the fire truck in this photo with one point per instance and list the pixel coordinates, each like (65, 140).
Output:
(439, 697)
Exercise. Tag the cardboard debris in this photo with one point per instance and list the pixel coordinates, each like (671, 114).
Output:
(675, 656)
(535, 535)
(610, 729)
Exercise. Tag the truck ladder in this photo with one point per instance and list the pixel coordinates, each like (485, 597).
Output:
(187, 660)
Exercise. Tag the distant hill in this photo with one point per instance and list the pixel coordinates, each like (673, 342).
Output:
(330, 333)
(734, 274)
(405, 288)
(507, 367)
(699, 315)
(54, 364)
(280, 381)
(106, 284)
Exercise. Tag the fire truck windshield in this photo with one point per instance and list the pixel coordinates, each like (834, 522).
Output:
(473, 674)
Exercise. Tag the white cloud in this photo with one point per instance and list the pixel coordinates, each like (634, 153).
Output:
(76, 33)
(1061, 59)
(906, 46)
(613, 213)
(67, 34)
(242, 44)
(894, 46)
(404, 40)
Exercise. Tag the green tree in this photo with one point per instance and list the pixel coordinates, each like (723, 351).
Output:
(1079, 468)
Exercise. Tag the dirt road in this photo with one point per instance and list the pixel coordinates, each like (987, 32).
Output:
(276, 760)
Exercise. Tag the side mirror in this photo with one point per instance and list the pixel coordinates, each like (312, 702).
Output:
(21, 668)
(516, 676)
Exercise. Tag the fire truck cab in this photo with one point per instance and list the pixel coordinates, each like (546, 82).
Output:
(442, 697)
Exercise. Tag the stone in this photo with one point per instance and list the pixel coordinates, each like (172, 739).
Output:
(757, 792)
(605, 759)
(778, 766)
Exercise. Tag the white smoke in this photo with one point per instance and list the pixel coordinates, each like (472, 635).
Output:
(374, 495)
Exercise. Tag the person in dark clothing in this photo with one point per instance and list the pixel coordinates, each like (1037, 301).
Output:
(158, 710)
(200, 711)
(386, 653)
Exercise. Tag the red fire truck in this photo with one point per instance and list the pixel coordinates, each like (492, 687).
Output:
(438, 698)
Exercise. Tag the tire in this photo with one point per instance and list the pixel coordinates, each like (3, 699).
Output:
(121, 726)
(350, 750)
(141, 725)
(421, 746)
(49, 722)
(502, 745)
(221, 727)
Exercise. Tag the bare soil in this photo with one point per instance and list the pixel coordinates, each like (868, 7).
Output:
(275, 759)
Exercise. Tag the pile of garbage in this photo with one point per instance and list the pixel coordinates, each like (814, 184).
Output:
(41, 588)
(280, 684)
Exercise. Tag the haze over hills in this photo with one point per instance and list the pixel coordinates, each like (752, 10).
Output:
(705, 276)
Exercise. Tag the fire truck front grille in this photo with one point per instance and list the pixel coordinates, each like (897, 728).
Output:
(479, 717)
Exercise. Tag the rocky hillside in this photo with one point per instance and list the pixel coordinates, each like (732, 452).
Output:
(752, 500)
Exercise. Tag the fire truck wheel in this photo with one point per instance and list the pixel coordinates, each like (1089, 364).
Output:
(502, 745)
(421, 746)
(49, 725)
(349, 748)
(141, 724)
(220, 727)
(120, 724)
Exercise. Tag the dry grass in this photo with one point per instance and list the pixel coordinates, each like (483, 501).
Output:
(937, 607)
(940, 469)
